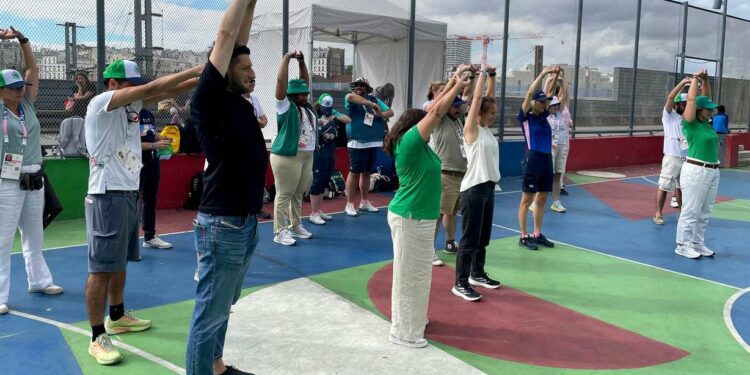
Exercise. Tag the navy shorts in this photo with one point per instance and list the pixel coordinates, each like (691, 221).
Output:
(362, 160)
(537, 175)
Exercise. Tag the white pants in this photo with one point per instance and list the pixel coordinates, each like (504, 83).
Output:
(22, 209)
(699, 186)
(412, 275)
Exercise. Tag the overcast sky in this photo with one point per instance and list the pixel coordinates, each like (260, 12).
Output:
(607, 34)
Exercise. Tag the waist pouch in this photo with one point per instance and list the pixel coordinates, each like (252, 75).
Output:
(32, 181)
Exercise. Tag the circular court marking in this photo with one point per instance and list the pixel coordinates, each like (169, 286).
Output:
(728, 318)
(601, 174)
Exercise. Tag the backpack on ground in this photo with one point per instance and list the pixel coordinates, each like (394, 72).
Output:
(337, 184)
(195, 192)
(72, 137)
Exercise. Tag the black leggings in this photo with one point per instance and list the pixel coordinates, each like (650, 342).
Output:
(477, 207)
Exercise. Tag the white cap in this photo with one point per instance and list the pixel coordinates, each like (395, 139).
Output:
(555, 100)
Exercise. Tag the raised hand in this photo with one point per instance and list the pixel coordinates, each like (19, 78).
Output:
(10, 33)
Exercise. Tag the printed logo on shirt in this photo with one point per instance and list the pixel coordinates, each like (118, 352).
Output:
(133, 117)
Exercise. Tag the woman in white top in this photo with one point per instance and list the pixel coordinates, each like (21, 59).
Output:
(478, 190)
(21, 180)
(561, 123)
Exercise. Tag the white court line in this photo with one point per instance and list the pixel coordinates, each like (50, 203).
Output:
(629, 260)
(144, 354)
(717, 202)
(728, 318)
(586, 183)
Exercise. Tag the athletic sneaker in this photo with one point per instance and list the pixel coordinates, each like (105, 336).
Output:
(702, 249)
(466, 292)
(658, 220)
(50, 289)
(157, 243)
(557, 207)
(3, 309)
(686, 251)
(103, 351)
(231, 370)
(317, 219)
(300, 232)
(421, 343)
(350, 210)
(532, 207)
(325, 216)
(196, 276)
(563, 191)
(451, 247)
(367, 206)
(485, 281)
(284, 237)
(127, 323)
(673, 203)
(541, 240)
(437, 261)
(528, 242)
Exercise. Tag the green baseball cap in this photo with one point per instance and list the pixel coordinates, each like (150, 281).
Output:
(124, 69)
(705, 102)
(680, 98)
(297, 86)
(325, 101)
(11, 79)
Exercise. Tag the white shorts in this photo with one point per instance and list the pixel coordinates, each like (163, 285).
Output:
(669, 178)
(560, 157)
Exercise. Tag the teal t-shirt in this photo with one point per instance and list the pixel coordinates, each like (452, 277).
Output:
(32, 153)
(702, 141)
(418, 170)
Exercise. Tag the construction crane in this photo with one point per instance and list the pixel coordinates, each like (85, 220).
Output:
(488, 39)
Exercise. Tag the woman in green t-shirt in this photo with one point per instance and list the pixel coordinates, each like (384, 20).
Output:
(699, 177)
(21, 179)
(413, 213)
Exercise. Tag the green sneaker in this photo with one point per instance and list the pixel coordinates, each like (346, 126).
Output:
(103, 351)
(126, 324)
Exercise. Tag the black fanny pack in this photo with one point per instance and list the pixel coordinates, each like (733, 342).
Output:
(32, 181)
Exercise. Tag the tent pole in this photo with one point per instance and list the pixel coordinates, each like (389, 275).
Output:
(410, 74)
(354, 57)
(285, 22)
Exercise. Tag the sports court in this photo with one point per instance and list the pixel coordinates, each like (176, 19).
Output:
(612, 297)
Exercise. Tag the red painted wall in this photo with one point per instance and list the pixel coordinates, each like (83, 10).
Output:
(603, 152)
(177, 172)
(733, 147)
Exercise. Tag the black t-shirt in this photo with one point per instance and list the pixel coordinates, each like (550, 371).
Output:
(148, 134)
(234, 146)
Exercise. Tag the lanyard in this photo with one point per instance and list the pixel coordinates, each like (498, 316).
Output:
(6, 138)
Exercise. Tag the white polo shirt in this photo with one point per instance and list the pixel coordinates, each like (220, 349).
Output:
(673, 136)
(106, 133)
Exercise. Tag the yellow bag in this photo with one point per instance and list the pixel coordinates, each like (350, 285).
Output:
(172, 132)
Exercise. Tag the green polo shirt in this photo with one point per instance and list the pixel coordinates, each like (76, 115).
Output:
(418, 170)
(702, 141)
(32, 153)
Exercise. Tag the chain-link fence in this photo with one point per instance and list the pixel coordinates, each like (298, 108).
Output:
(345, 40)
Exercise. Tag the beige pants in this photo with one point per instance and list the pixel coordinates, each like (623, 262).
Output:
(293, 176)
(412, 274)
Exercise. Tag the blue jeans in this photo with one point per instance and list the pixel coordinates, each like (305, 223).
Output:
(224, 245)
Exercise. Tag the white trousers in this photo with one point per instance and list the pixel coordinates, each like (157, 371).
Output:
(412, 275)
(699, 186)
(22, 209)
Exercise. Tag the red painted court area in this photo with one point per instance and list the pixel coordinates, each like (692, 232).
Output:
(512, 325)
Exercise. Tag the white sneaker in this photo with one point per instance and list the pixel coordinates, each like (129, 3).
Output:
(300, 232)
(284, 238)
(3, 309)
(421, 343)
(350, 210)
(686, 251)
(532, 207)
(325, 216)
(367, 206)
(702, 249)
(157, 243)
(196, 276)
(317, 219)
(557, 207)
(50, 289)
(436, 261)
(673, 203)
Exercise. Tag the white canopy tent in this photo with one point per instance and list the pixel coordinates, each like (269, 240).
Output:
(378, 30)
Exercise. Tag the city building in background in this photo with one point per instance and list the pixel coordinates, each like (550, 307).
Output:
(457, 52)
(328, 62)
